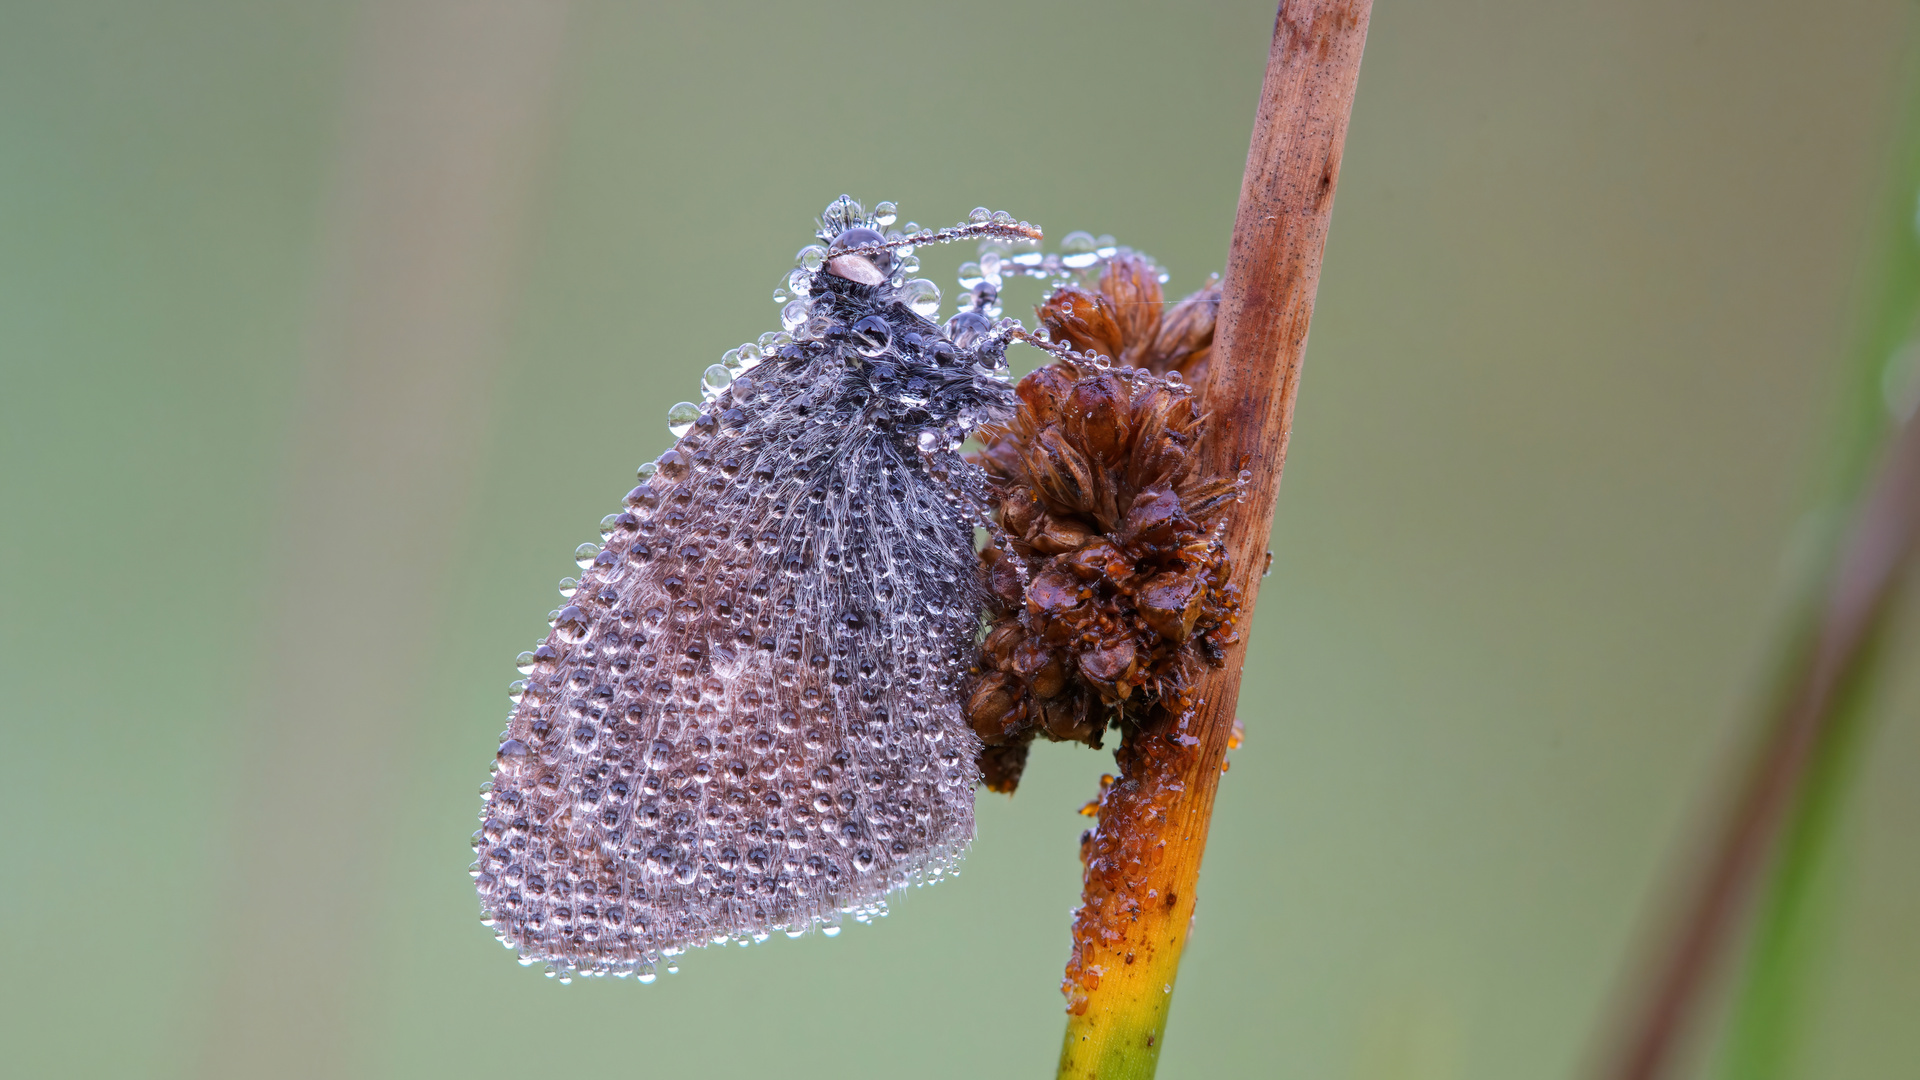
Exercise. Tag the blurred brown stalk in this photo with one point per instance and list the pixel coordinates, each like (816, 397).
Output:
(1832, 659)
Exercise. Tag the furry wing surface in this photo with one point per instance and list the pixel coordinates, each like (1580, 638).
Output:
(747, 719)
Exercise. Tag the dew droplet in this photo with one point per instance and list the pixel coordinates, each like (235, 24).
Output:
(923, 297)
(583, 556)
(812, 258)
(524, 663)
(965, 328)
(714, 382)
(885, 214)
(680, 418)
(980, 215)
(872, 335)
(568, 586)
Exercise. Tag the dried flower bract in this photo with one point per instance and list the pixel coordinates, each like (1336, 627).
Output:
(1111, 583)
(1122, 320)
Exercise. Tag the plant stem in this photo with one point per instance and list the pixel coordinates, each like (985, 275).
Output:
(1795, 903)
(1762, 1035)
(1823, 677)
(1143, 858)
(1774, 835)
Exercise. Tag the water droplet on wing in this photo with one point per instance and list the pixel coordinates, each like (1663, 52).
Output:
(923, 297)
(680, 418)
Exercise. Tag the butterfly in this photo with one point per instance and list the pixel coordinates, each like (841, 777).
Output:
(747, 717)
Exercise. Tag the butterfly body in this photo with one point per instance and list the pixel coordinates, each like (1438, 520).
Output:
(747, 718)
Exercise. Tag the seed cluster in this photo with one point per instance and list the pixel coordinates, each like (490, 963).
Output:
(1114, 587)
(1122, 320)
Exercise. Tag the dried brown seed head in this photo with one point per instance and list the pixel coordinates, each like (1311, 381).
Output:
(1122, 319)
(1113, 590)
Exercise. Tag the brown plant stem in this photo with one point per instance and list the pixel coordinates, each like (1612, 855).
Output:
(1143, 858)
(1880, 541)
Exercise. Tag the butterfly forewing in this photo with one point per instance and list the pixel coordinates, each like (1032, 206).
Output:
(747, 718)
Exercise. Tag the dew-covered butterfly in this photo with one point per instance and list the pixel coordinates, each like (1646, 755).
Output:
(747, 716)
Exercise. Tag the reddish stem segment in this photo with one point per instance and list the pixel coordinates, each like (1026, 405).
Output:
(1143, 859)
(1880, 542)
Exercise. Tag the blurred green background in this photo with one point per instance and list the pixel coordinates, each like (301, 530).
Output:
(328, 330)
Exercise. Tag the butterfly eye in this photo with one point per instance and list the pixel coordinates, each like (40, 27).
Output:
(872, 335)
(866, 269)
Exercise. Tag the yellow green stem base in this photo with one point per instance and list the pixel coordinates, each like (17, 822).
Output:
(1119, 1039)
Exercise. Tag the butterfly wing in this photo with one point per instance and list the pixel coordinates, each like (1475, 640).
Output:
(747, 719)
